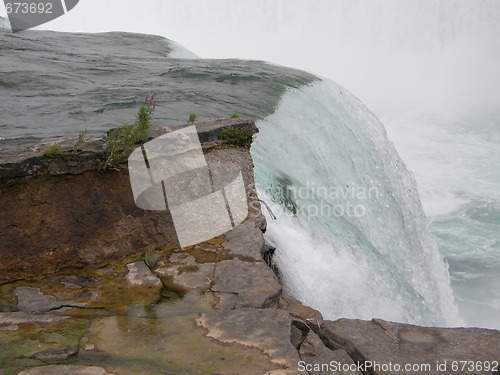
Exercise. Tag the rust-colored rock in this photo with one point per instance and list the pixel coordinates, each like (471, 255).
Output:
(52, 223)
(59, 214)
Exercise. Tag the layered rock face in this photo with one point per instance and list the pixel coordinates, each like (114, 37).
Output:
(63, 213)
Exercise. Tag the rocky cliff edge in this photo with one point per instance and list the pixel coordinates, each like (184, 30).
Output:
(81, 294)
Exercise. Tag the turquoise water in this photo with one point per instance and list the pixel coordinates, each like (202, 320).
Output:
(354, 241)
(454, 164)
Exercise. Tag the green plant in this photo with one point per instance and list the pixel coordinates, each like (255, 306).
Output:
(151, 258)
(144, 116)
(119, 145)
(192, 118)
(235, 115)
(120, 142)
(53, 152)
(79, 141)
(213, 279)
(237, 137)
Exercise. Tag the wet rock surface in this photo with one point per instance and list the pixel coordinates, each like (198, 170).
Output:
(214, 312)
(31, 300)
(14, 319)
(252, 327)
(55, 355)
(242, 285)
(140, 275)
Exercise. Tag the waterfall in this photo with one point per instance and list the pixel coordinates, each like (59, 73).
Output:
(352, 239)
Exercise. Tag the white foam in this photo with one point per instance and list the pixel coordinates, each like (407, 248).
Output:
(4, 23)
(180, 52)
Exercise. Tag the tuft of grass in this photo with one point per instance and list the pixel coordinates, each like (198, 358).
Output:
(151, 258)
(79, 141)
(144, 116)
(235, 115)
(192, 118)
(120, 142)
(53, 152)
(237, 137)
(213, 279)
(119, 145)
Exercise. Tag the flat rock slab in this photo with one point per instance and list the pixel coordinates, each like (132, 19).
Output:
(32, 300)
(199, 279)
(384, 342)
(58, 354)
(171, 345)
(265, 329)
(139, 274)
(187, 273)
(182, 258)
(65, 370)
(246, 240)
(241, 284)
(16, 318)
